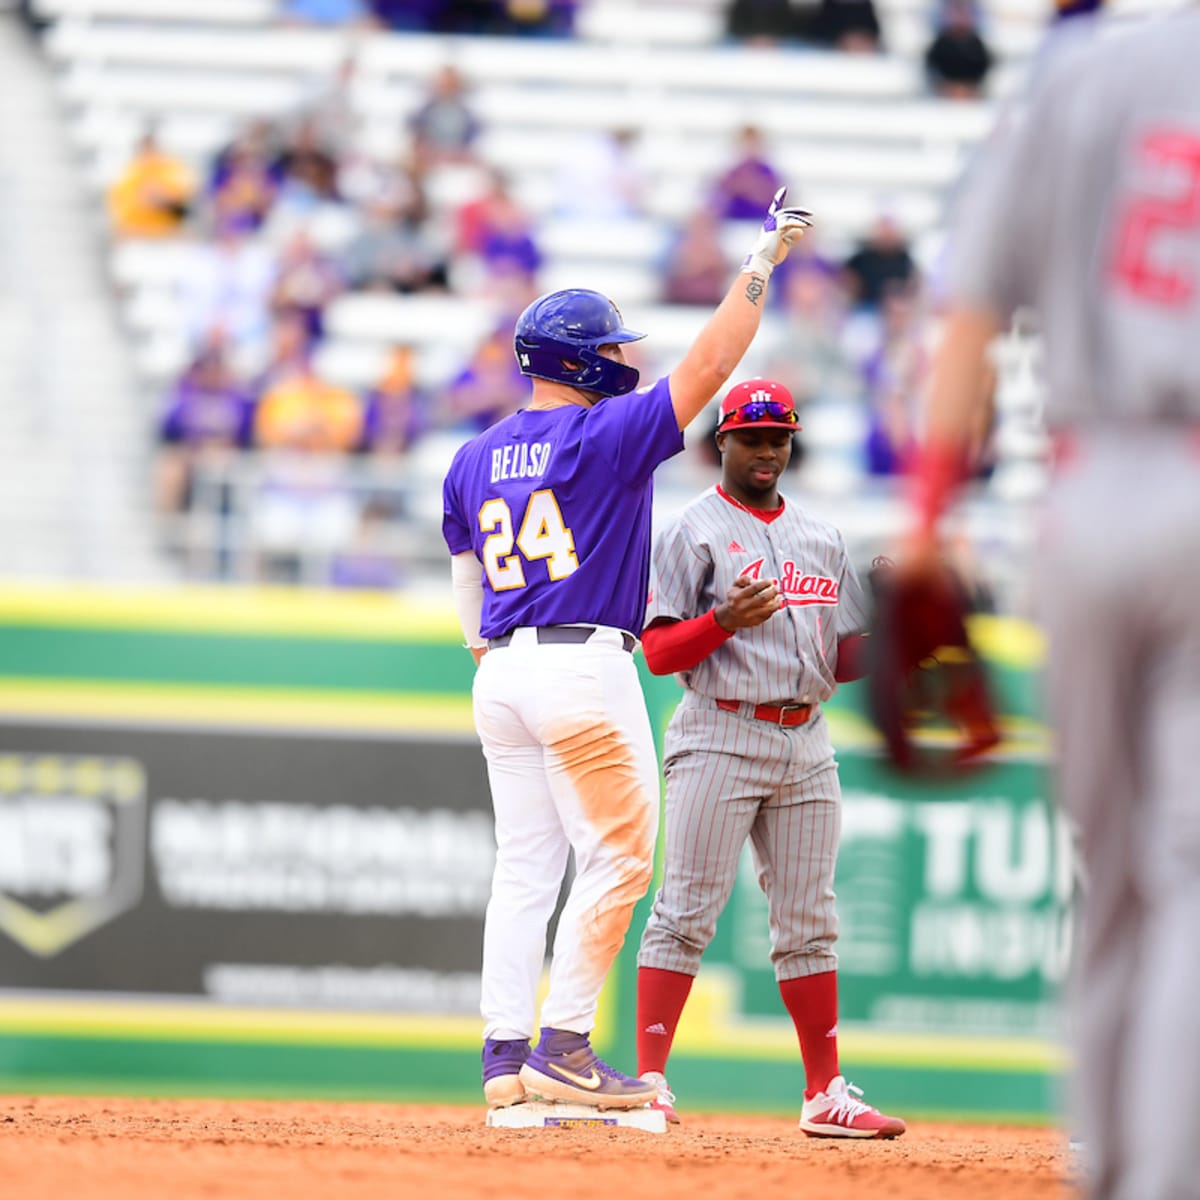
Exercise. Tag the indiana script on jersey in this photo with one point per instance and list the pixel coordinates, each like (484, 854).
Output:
(797, 588)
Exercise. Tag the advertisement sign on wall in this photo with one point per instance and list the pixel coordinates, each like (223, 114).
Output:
(332, 872)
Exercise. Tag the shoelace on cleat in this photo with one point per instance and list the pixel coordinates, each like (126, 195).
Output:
(846, 1105)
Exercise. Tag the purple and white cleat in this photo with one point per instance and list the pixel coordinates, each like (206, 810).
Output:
(564, 1067)
(502, 1062)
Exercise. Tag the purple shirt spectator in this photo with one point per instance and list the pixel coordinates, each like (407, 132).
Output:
(411, 16)
(745, 190)
(490, 387)
(397, 411)
(207, 406)
(510, 251)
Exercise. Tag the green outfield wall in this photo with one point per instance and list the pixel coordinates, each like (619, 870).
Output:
(245, 847)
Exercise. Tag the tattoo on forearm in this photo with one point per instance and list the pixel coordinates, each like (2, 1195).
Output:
(754, 289)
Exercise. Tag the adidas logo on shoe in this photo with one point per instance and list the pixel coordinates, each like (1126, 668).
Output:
(657, 1027)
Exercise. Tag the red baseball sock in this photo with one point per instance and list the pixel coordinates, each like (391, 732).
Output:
(812, 1003)
(661, 996)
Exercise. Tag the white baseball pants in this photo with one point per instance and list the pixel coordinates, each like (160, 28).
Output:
(572, 766)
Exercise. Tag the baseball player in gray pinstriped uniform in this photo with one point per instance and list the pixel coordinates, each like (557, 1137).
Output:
(1088, 209)
(755, 602)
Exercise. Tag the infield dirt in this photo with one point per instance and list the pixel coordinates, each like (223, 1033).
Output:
(88, 1148)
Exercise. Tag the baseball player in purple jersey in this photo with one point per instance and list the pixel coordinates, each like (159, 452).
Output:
(1088, 209)
(547, 518)
(757, 605)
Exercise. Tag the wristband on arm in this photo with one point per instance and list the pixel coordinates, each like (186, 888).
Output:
(937, 470)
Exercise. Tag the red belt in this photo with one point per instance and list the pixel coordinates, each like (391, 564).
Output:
(778, 714)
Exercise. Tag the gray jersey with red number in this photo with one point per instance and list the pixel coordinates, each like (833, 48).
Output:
(1086, 205)
(1088, 209)
(793, 655)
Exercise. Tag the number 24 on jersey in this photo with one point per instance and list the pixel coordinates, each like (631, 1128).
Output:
(543, 535)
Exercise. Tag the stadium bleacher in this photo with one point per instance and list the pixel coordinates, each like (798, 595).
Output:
(855, 132)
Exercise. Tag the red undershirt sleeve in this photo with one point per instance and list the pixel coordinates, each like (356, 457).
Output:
(672, 646)
(852, 658)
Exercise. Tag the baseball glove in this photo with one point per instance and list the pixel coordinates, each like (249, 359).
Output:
(927, 690)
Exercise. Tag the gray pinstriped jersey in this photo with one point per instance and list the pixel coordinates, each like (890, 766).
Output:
(792, 655)
(1085, 206)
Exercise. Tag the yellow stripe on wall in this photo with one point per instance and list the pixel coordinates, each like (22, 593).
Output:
(197, 705)
(148, 1021)
(212, 1023)
(261, 611)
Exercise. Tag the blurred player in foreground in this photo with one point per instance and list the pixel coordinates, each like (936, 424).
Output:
(547, 519)
(1088, 209)
(756, 602)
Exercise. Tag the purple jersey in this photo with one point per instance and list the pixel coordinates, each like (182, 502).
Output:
(196, 413)
(556, 505)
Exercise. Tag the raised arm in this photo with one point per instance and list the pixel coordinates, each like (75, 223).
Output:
(729, 331)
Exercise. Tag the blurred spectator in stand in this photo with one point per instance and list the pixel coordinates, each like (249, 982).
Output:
(536, 18)
(325, 12)
(302, 412)
(34, 18)
(443, 127)
(370, 562)
(304, 510)
(408, 16)
(896, 376)
(394, 250)
(256, 139)
(696, 268)
(306, 280)
(882, 258)
(228, 282)
(851, 26)
(397, 409)
(308, 197)
(508, 251)
(152, 197)
(206, 421)
(411, 16)
(489, 387)
(473, 216)
(245, 181)
(768, 23)
(805, 350)
(287, 354)
(958, 60)
(603, 178)
(744, 191)
(494, 248)
(306, 167)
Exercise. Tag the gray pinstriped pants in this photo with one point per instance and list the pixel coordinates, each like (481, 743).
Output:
(730, 778)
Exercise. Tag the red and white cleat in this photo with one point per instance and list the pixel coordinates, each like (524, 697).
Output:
(838, 1112)
(664, 1102)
